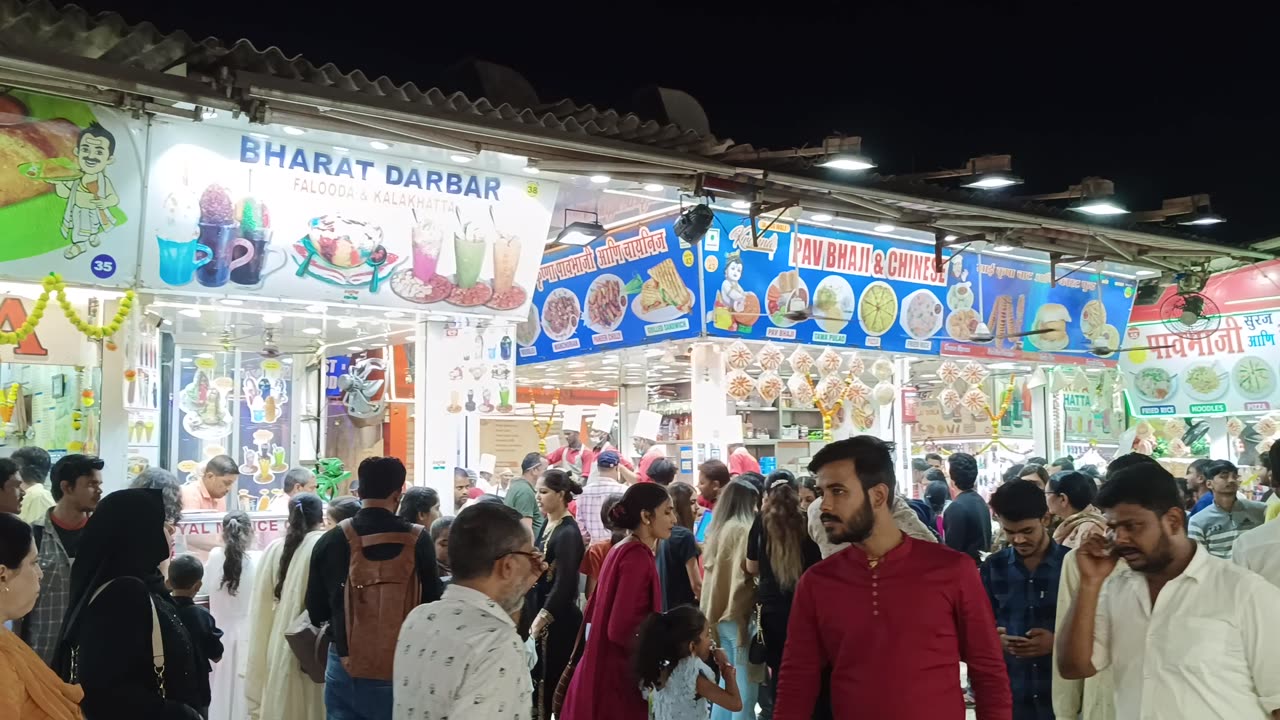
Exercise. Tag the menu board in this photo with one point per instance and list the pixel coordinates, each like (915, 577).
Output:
(481, 377)
(639, 284)
(822, 286)
(1015, 296)
(70, 190)
(231, 211)
(1231, 370)
(264, 429)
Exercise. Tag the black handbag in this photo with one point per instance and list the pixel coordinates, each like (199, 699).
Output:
(756, 651)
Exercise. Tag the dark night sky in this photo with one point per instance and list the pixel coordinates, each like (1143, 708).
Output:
(1165, 100)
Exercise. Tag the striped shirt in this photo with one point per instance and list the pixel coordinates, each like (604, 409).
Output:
(1217, 529)
(589, 503)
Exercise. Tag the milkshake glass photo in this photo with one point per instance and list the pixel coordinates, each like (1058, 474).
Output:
(468, 247)
(427, 238)
(506, 258)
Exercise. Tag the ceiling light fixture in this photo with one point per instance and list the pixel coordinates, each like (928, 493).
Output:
(741, 204)
(822, 217)
(1207, 218)
(291, 130)
(992, 181)
(231, 302)
(379, 145)
(1145, 273)
(600, 179)
(347, 323)
(884, 228)
(355, 349)
(341, 150)
(315, 308)
(580, 233)
(1002, 248)
(1098, 206)
(393, 314)
(531, 167)
(461, 157)
(653, 187)
(271, 318)
(1093, 196)
(847, 162)
(189, 312)
(312, 331)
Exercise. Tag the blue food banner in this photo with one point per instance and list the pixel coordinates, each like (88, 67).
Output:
(638, 284)
(1015, 296)
(823, 286)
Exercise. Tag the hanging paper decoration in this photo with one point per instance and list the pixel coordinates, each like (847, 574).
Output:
(1144, 446)
(1080, 383)
(829, 390)
(950, 399)
(882, 369)
(1266, 427)
(801, 390)
(829, 362)
(856, 365)
(738, 356)
(975, 400)
(739, 385)
(770, 357)
(948, 372)
(769, 386)
(973, 373)
(801, 361)
(857, 391)
(1061, 379)
(1173, 428)
(864, 416)
(884, 393)
(1235, 427)
(1264, 447)
(1178, 449)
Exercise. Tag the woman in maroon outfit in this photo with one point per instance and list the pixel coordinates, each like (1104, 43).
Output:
(603, 684)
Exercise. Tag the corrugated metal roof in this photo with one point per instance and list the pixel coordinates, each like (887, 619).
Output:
(108, 37)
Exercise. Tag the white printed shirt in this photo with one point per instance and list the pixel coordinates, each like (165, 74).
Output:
(1205, 651)
(461, 658)
(1259, 550)
(588, 509)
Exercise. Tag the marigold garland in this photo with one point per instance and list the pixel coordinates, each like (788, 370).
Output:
(54, 285)
(543, 428)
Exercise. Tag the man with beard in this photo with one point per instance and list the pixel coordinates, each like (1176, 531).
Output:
(1228, 516)
(890, 618)
(1187, 635)
(468, 639)
(1022, 583)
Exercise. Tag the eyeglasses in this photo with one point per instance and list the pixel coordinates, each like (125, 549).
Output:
(535, 557)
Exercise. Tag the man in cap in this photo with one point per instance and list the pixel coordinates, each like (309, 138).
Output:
(603, 483)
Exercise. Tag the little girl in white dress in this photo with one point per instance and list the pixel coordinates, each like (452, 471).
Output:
(670, 660)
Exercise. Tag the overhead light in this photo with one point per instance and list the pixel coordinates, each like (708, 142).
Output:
(208, 113)
(1002, 248)
(379, 145)
(951, 238)
(189, 312)
(186, 361)
(846, 161)
(287, 361)
(462, 157)
(741, 204)
(438, 318)
(341, 150)
(393, 314)
(653, 187)
(992, 181)
(315, 308)
(531, 167)
(822, 217)
(1206, 218)
(260, 136)
(1145, 273)
(232, 302)
(347, 323)
(580, 233)
(291, 130)
(355, 349)
(271, 318)
(884, 228)
(1098, 206)
(312, 330)
(600, 179)
(205, 356)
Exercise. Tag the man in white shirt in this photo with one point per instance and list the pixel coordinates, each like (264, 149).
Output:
(1259, 551)
(461, 657)
(1187, 635)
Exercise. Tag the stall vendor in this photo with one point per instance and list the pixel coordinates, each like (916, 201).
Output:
(645, 441)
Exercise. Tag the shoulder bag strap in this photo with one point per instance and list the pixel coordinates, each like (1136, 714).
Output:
(157, 647)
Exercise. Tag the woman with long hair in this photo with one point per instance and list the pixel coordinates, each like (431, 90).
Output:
(420, 505)
(1070, 494)
(108, 634)
(229, 578)
(727, 598)
(678, 560)
(551, 606)
(779, 550)
(275, 686)
(29, 690)
(938, 494)
(604, 684)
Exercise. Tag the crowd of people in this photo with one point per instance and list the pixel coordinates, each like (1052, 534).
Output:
(585, 588)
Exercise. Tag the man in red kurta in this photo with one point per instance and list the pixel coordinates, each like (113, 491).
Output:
(890, 618)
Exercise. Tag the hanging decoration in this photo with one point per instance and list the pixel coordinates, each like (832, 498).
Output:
(769, 386)
(330, 476)
(542, 428)
(770, 358)
(973, 373)
(882, 369)
(738, 356)
(1006, 400)
(830, 390)
(829, 362)
(53, 285)
(884, 393)
(801, 390)
(1234, 427)
(10, 410)
(856, 365)
(948, 372)
(857, 392)
(801, 361)
(950, 399)
(739, 385)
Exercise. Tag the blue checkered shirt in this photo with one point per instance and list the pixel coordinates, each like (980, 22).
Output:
(1022, 601)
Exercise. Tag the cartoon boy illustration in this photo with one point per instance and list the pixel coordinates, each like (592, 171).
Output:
(91, 196)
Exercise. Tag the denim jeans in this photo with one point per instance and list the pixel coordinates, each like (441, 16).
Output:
(348, 698)
(737, 654)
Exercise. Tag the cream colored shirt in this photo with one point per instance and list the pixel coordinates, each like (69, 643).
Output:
(1092, 698)
(1206, 650)
(1259, 550)
(36, 503)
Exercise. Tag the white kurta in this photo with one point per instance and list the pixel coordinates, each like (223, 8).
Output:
(231, 612)
(275, 686)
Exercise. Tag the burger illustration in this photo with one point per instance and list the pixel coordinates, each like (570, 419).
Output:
(1051, 322)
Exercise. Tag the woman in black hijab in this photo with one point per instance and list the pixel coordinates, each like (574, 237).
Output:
(107, 636)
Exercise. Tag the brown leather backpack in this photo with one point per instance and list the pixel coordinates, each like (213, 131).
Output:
(379, 595)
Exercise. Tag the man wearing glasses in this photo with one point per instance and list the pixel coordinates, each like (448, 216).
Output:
(468, 640)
